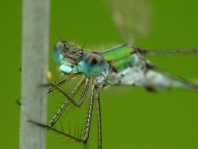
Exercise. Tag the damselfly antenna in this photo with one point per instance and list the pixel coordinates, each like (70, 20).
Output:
(59, 37)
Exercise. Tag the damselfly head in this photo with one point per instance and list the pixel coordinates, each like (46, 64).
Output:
(73, 59)
(65, 51)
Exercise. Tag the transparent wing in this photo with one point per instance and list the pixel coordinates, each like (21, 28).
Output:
(131, 17)
(167, 52)
(151, 77)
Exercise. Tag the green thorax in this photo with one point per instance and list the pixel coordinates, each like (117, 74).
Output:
(121, 57)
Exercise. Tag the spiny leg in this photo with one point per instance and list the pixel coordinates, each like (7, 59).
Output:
(94, 95)
(99, 120)
(57, 83)
(77, 104)
(61, 82)
(65, 104)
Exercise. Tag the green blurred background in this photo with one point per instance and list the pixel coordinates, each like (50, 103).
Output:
(131, 117)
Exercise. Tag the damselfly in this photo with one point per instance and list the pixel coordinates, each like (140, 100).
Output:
(121, 65)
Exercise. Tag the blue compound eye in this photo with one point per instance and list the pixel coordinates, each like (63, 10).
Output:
(93, 64)
(56, 51)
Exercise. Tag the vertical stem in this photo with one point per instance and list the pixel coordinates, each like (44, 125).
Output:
(35, 34)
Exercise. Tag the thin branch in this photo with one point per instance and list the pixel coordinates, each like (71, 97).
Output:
(35, 34)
